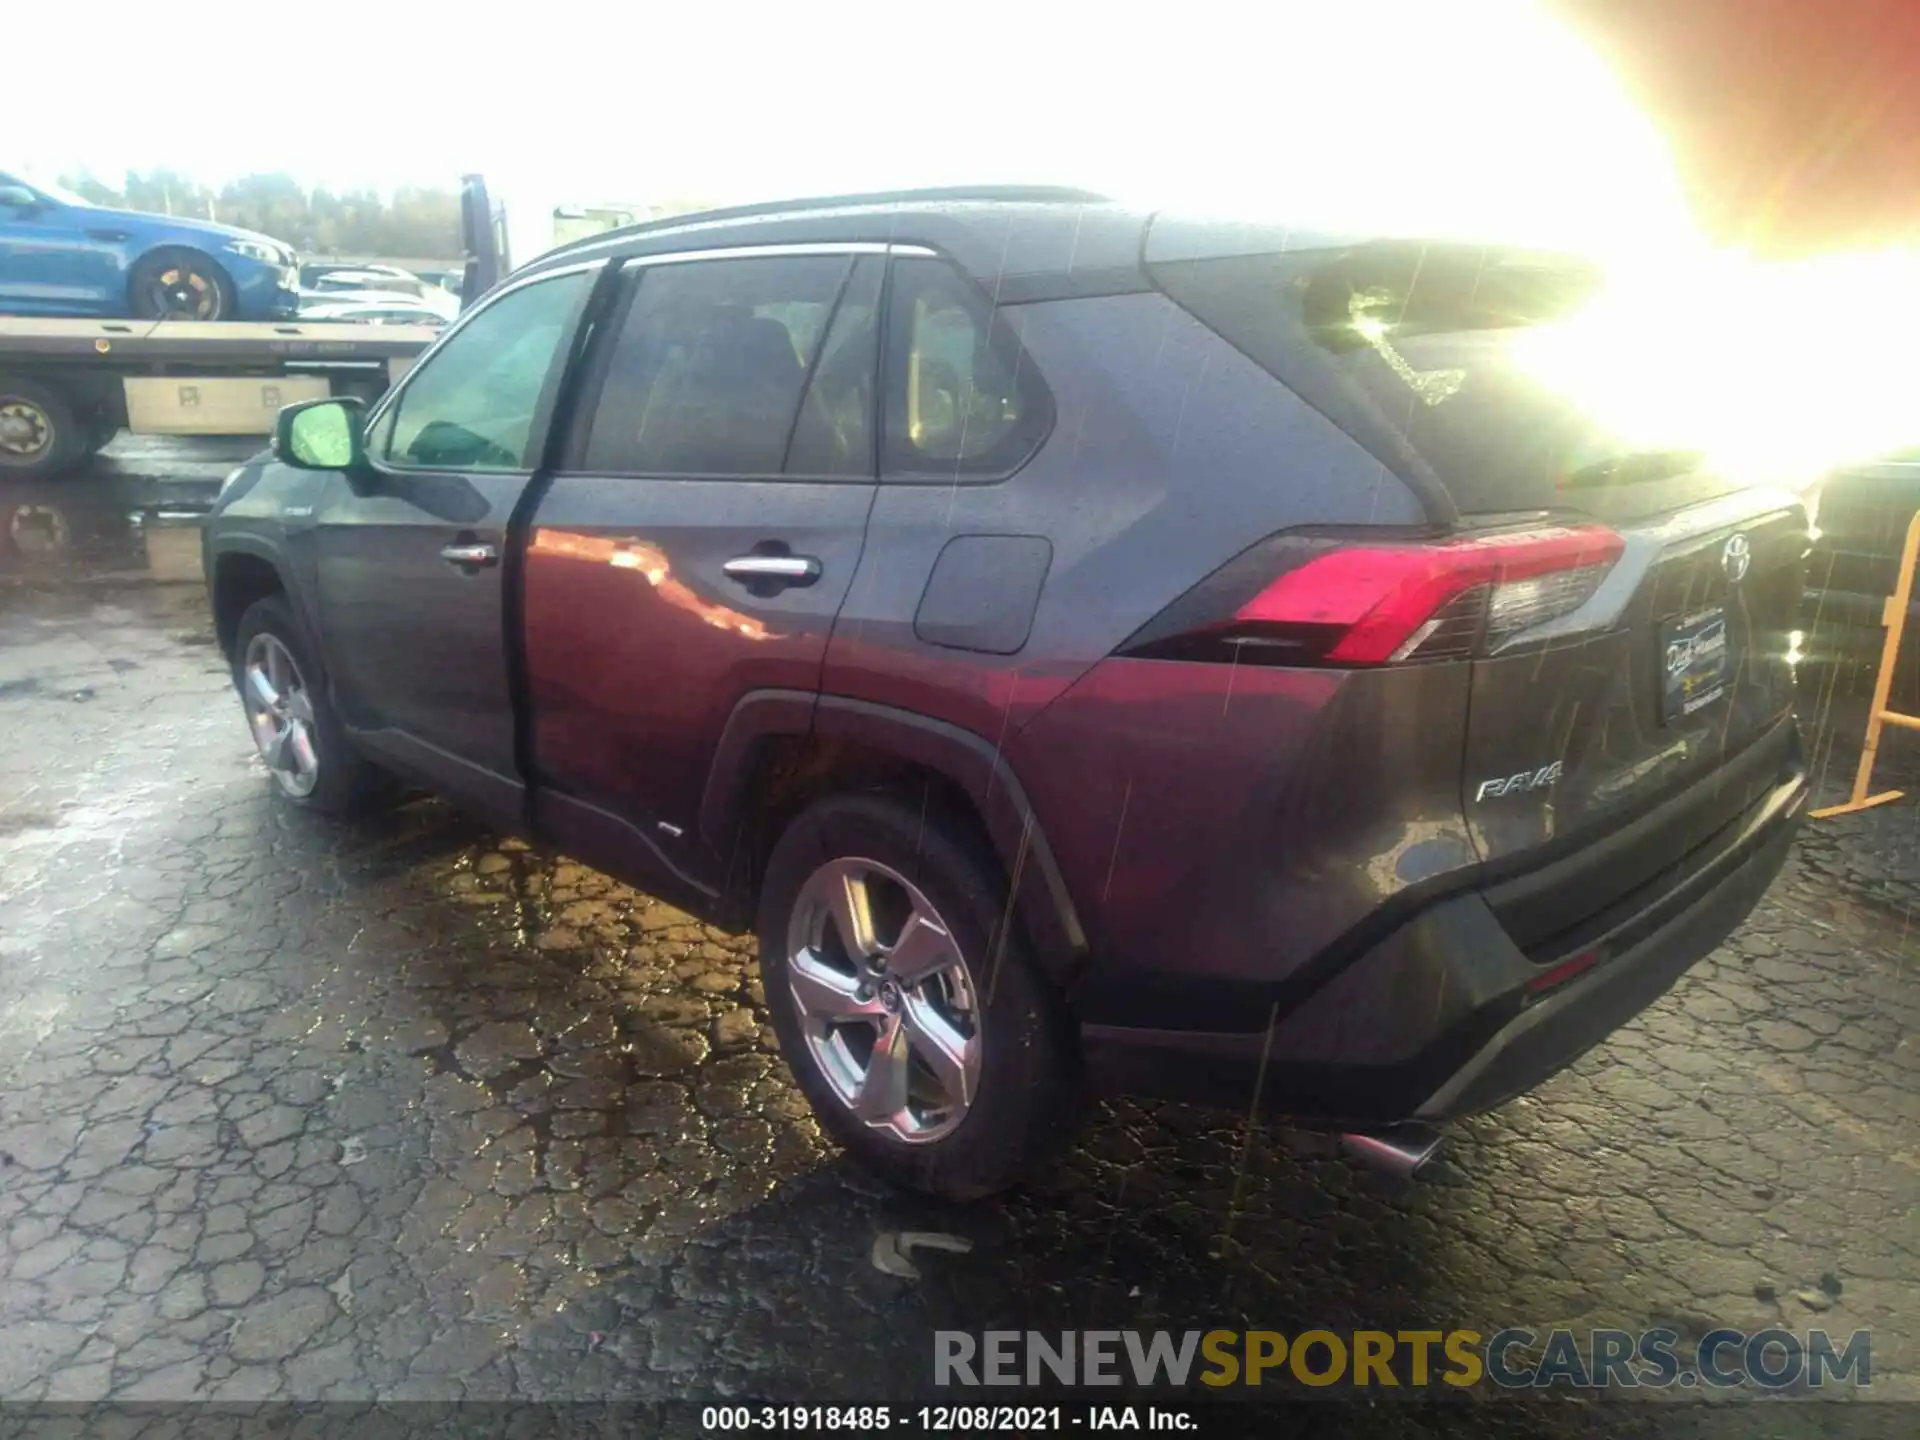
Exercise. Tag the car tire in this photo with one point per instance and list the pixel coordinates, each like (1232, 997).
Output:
(41, 434)
(340, 780)
(180, 284)
(1019, 1099)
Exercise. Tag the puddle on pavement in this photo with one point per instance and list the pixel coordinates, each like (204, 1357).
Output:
(591, 1062)
(44, 539)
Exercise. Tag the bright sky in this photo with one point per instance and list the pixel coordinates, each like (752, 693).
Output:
(1443, 117)
(1430, 109)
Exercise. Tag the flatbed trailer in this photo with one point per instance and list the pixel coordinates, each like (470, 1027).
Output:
(67, 387)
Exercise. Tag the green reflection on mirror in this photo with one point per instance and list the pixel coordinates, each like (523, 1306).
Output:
(322, 437)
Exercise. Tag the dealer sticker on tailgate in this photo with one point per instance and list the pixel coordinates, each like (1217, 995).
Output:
(1696, 663)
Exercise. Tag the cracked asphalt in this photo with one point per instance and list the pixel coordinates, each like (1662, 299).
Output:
(403, 1110)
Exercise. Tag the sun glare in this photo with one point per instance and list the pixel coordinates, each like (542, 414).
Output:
(1775, 372)
(1472, 119)
(1493, 122)
(1484, 119)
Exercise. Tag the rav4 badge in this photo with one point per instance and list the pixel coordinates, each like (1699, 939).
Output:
(1523, 783)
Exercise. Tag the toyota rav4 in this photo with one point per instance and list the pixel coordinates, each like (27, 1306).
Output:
(1091, 648)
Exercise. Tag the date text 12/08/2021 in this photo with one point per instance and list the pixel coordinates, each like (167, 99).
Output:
(939, 1419)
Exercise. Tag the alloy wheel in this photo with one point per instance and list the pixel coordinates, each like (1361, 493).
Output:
(183, 292)
(280, 713)
(887, 1004)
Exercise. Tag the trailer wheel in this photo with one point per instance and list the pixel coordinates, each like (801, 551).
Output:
(41, 434)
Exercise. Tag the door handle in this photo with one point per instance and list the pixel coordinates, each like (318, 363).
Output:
(471, 555)
(774, 569)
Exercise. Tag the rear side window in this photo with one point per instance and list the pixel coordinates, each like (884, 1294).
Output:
(962, 401)
(710, 366)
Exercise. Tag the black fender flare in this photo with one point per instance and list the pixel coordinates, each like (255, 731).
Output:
(969, 761)
(256, 547)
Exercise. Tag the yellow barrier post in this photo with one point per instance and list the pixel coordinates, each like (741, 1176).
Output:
(1894, 618)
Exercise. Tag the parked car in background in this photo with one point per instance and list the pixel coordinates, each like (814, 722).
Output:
(364, 277)
(437, 302)
(1860, 518)
(62, 255)
(1083, 644)
(355, 275)
(376, 309)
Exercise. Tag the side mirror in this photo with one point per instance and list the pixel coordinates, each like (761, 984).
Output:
(321, 434)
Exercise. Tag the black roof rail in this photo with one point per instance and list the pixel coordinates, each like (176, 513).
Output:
(1006, 194)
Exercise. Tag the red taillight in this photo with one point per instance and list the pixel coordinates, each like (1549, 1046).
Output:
(1381, 604)
(1384, 596)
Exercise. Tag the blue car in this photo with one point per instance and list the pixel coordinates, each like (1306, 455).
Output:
(61, 255)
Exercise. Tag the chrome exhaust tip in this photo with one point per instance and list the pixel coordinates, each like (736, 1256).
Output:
(1399, 1151)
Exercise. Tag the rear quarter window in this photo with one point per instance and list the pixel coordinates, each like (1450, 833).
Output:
(963, 400)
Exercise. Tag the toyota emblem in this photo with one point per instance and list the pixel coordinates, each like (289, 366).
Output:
(1736, 558)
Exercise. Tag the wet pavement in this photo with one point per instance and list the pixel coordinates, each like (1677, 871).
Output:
(291, 1110)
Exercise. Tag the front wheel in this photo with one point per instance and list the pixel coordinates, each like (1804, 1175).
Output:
(180, 285)
(913, 1019)
(303, 744)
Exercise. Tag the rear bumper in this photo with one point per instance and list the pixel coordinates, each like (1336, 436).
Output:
(1445, 1016)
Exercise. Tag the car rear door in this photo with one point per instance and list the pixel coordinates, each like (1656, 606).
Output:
(411, 562)
(697, 543)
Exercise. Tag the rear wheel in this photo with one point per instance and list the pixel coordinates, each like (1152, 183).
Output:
(180, 285)
(41, 433)
(915, 1024)
(302, 742)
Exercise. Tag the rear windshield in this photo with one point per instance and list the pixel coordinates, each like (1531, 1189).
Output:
(1409, 347)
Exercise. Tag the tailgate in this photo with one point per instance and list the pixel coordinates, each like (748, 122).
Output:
(1685, 670)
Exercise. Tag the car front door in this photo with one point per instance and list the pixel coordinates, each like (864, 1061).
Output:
(49, 265)
(411, 558)
(697, 542)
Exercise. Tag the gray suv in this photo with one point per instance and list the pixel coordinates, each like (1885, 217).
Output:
(1093, 648)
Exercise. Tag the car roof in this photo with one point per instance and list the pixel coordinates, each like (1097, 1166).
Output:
(1021, 242)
